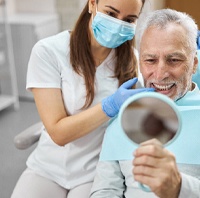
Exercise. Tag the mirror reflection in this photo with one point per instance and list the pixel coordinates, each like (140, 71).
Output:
(150, 117)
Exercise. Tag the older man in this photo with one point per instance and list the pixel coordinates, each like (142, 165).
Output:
(168, 60)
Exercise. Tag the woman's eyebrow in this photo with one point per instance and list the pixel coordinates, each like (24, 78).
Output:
(112, 8)
(131, 15)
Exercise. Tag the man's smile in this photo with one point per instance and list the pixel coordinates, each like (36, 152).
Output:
(164, 87)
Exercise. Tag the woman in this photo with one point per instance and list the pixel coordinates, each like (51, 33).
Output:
(74, 79)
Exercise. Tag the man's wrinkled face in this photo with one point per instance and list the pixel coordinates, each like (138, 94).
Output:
(166, 61)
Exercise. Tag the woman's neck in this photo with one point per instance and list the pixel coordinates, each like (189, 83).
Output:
(99, 54)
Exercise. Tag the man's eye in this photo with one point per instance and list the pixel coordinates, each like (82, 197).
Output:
(150, 61)
(173, 61)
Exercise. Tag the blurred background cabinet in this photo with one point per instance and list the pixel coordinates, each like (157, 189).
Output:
(32, 20)
(27, 29)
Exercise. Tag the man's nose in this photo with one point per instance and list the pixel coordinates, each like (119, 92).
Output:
(161, 71)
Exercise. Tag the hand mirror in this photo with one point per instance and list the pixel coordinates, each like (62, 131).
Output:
(150, 115)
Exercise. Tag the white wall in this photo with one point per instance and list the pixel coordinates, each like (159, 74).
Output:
(10, 5)
(68, 10)
(154, 4)
(45, 6)
(30, 6)
(82, 3)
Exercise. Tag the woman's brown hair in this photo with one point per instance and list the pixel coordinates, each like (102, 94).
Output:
(82, 60)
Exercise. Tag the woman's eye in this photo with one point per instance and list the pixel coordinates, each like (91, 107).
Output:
(130, 20)
(110, 14)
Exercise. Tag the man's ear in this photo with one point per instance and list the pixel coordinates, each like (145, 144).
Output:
(196, 62)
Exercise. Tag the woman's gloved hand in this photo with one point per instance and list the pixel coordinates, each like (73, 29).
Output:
(112, 104)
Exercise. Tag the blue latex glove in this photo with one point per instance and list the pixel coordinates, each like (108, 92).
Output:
(112, 104)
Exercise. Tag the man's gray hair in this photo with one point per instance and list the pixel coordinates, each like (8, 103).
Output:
(161, 18)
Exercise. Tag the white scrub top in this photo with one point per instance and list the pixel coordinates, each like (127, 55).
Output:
(49, 67)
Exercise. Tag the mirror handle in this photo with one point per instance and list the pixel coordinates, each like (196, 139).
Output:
(144, 187)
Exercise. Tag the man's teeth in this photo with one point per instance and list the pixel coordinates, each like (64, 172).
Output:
(163, 87)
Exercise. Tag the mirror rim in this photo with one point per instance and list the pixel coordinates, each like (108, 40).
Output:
(156, 95)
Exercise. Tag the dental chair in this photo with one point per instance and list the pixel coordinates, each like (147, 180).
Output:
(31, 135)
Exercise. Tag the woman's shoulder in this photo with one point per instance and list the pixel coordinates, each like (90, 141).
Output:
(57, 39)
(55, 43)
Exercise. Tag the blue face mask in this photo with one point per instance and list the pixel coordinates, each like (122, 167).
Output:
(111, 32)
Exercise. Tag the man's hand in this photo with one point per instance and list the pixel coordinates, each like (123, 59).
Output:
(156, 167)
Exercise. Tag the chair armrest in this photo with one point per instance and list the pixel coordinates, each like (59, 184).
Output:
(29, 136)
